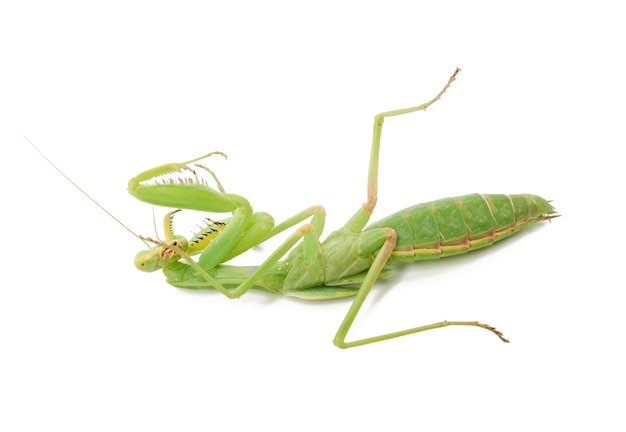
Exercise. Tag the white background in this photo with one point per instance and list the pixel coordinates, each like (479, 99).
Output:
(289, 91)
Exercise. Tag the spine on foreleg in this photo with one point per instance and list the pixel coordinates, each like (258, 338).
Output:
(452, 226)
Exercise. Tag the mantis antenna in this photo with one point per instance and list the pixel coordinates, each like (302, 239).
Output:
(85, 193)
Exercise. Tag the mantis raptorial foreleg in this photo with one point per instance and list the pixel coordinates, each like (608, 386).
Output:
(243, 231)
(358, 222)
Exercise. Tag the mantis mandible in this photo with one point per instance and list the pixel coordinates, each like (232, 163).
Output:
(347, 263)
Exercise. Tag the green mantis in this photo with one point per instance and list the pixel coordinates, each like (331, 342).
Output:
(347, 263)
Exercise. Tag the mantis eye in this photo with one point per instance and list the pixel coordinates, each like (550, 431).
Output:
(148, 260)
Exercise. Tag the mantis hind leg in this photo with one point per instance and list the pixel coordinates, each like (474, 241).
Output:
(379, 262)
(361, 217)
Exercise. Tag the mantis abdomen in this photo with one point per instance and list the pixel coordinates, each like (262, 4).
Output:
(452, 226)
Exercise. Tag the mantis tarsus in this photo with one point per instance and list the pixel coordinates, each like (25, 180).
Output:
(346, 264)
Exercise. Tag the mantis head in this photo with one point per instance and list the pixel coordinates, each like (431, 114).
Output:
(162, 254)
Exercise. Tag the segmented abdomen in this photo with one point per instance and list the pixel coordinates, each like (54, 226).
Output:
(452, 226)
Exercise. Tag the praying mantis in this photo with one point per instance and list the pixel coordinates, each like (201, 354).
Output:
(346, 264)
